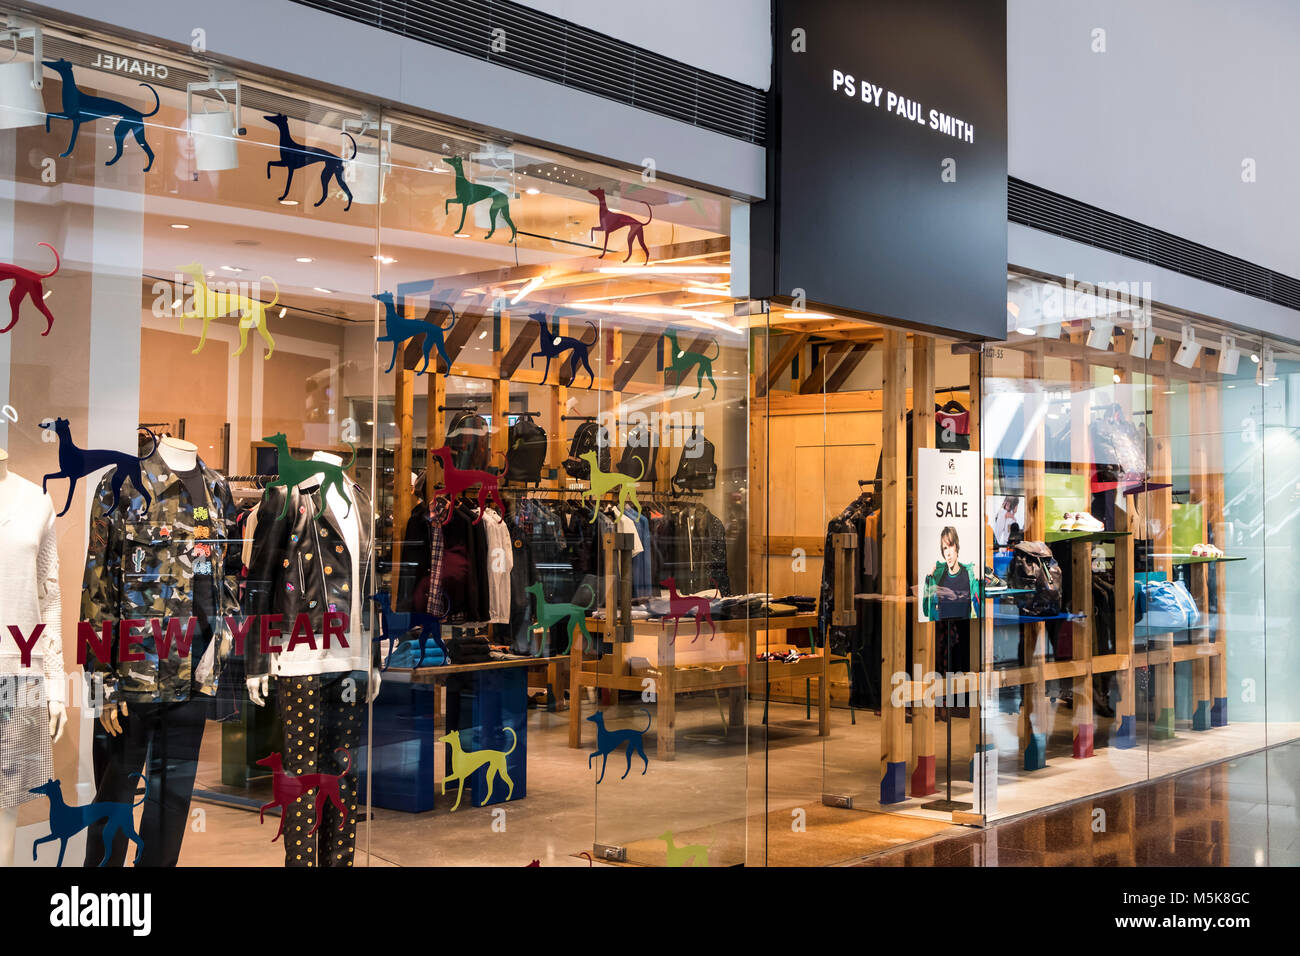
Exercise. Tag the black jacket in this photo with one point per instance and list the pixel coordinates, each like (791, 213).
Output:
(302, 565)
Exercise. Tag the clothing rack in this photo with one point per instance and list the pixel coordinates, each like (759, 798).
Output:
(647, 495)
(578, 418)
(259, 480)
(458, 408)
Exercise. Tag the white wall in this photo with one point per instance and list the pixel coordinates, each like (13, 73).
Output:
(1156, 127)
(729, 37)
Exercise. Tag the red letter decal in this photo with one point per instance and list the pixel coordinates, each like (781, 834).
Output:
(127, 639)
(240, 633)
(25, 647)
(302, 632)
(270, 629)
(101, 647)
(336, 626)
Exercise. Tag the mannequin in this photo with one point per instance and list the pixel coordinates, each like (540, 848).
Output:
(178, 455)
(259, 687)
(314, 567)
(29, 595)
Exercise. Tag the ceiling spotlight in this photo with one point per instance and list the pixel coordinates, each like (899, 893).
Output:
(179, 225)
(1115, 378)
(1099, 334)
(1229, 355)
(283, 310)
(325, 291)
(288, 202)
(386, 260)
(1254, 358)
(305, 259)
(1144, 337)
(1027, 310)
(1189, 349)
(532, 190)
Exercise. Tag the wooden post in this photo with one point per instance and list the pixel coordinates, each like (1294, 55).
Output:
(1215, 504)
(893, 560)
(1081, 563)
(404, 413)
(1034, 713)
(1160, 505)
(985, 699)
(1199, 479)
(923, 634)
(500, 391)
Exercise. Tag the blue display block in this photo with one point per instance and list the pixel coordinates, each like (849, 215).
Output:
(405, 748)
(481, 708)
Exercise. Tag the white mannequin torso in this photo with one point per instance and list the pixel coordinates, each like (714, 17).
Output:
(178, 454)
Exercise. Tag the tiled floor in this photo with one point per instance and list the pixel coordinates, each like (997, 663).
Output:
(1241, 812)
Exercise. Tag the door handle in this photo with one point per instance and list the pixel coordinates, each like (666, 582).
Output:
(844, 545)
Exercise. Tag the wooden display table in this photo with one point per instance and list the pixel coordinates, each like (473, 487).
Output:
(737, 677)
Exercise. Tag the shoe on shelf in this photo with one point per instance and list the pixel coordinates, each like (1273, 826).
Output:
(1083, 521)
(1067, 522)
(1198, 550)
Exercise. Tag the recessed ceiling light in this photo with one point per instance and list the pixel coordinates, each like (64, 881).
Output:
(483, 334)
(461, 235)
(305, 259)
(326, 291)
(180, 225)
(232, 268)
(386, 260)
(48, 293)
(283, 310)
(532, 190)
(288, 202)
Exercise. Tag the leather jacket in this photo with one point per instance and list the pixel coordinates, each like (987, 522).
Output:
(301, 565)
(141, 564)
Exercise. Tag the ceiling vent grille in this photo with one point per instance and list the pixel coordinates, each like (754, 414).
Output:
(1031, 205)
(554, 49)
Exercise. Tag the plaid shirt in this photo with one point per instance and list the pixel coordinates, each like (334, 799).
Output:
(437, 605)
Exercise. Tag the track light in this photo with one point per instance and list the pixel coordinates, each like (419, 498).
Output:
(1143, 335)
(21, 103)
(1027, 311)
(1189, 349)
(363, 171)
(1229, 355)
(1099, 334)
(214, 133)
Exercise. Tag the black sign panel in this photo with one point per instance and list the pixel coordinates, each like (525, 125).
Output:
(887, 173)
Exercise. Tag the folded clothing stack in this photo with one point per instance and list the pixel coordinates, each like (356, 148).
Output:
(407, 654)
(468, 648)
(803, 603)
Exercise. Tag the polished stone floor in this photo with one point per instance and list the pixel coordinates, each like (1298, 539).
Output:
(1240, 812)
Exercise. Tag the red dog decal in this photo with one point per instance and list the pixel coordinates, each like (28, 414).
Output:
(285, 789)
(454, 481)
(679, 607)
(28, 284)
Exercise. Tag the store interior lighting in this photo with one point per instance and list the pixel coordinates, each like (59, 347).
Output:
(1188, 349)
(214, 132)
(1266, 371)
(1099, 334)
(21, 103)
(1229, 355)
(1144, 336)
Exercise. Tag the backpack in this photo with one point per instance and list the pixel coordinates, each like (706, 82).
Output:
(698, 472)
(640, 455)
(1118, 447)
(528, 448)
(467, 437)
(588, 437)
(1169, 606)
(1033, 568)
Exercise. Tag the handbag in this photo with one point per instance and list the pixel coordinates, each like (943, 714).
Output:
(1035, 571)
(1169, 606)
(1118, 447)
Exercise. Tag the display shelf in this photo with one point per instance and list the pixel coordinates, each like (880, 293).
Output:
(1006, 619)
(1053, 536)
(1143, 487)
(1202, 559)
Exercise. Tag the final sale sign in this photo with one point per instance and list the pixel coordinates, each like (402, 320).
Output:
(950, 539)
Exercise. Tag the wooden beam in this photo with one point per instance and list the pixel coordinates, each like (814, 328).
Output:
(633, 360)
(781, 362)
(893, 563)
(847, 366)
(815, 381)
(923, 634)
(521, 346)
(466, 326)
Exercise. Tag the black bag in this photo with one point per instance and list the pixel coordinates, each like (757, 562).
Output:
(588, 437)
(696, 470)
(1118, 447)
(1034, 569)
(528, 447)
(467, 437)
(640, 455)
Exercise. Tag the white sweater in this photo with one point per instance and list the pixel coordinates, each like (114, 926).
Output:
(29, 583)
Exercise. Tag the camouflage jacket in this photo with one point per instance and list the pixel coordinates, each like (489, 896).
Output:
(141, 565)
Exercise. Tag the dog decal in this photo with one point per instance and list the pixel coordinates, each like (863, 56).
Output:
(67, 821)
(398, 329)
(468, 193)
(465, 762)
(694, 854)
(293, 471)
(209, 305)
(28, 284)
(605, 481)
(456, 480)
(552, 344)
(81, 108)
(295, 156)
(548, 615)
(393, 624)
(608, 741)
(77, 463)
(681, 605)
(611, 222)
(681, 362)
(287, 787)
